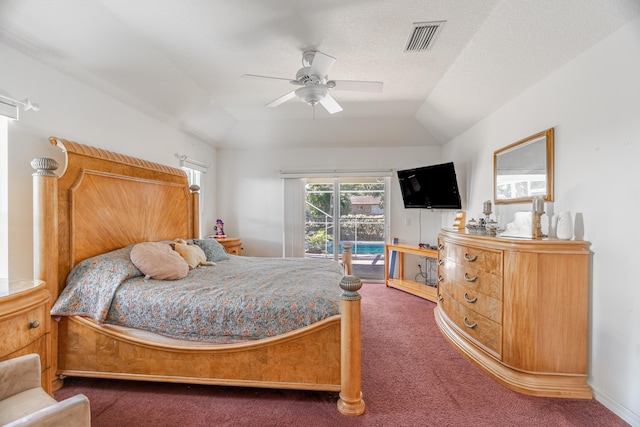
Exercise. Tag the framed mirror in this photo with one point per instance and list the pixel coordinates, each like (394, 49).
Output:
(524, 170)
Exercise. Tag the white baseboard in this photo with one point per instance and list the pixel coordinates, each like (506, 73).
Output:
(615, 407)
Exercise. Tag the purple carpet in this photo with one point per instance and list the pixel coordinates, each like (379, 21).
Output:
(411, 376)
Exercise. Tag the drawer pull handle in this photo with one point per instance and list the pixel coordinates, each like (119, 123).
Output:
(470, 258)
(470, 279)
(470, 300)
(440, 247)
(440, 278)
(33, 324)
(439, 297)
(469, 325)
(441, 262)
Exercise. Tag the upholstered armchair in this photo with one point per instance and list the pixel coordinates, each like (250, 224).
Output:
(23, 402)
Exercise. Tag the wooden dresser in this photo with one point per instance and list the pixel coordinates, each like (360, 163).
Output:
(25, 323)
(517, 309)
(233, 245)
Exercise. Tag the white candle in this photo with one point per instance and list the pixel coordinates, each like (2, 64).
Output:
(538, 204)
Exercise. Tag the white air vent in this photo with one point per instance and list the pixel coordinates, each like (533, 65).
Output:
(423, 36)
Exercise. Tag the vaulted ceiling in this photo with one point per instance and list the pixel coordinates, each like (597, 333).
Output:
(182, 61)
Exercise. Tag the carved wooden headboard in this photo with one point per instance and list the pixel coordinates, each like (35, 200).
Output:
(104, 201)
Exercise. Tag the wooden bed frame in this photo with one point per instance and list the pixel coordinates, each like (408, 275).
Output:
(104, 201)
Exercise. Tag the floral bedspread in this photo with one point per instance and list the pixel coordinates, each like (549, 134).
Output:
(239, 299)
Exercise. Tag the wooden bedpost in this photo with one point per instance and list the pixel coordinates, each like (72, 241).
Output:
(45, 242)
(350, 402)
(346, 258)
(195, 211)
(45, 222)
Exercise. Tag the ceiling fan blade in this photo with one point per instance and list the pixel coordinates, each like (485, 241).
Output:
(358, 85)
(256, 76)
(330, 104)
(321, 65)
(284, 98)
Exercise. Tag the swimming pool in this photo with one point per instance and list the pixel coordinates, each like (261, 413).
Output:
(363, 248)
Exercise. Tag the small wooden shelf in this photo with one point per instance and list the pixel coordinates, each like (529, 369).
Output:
(421, 290)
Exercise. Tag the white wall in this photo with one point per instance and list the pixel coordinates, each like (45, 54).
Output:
(594, 105)
(74, 111)
(251, 198)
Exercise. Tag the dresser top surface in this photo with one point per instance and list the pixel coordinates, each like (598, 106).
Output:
(12, 287)
(515, 243)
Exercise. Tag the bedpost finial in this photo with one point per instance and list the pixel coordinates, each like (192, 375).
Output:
(194, 188)
(350, 285)
(44, 166)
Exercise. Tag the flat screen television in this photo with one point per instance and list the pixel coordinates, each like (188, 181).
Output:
(430, 187)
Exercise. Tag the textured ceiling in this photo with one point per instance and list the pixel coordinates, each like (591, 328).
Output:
(182, 61)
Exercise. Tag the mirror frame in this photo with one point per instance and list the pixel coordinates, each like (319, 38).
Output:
(548, 197)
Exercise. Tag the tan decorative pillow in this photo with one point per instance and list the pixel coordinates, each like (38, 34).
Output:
(192, 254)
(159, 261)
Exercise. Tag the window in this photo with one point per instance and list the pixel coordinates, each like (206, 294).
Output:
(195, 170)
(9, 109)
(194, 176)
(347, 210)
(316, 226)
(4, 199)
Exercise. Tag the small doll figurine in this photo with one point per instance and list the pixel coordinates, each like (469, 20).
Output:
(219, 229)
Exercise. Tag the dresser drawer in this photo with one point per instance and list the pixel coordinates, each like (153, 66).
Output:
(38, 346)
(477, 328)
(471, 257)
(442, 251)
(484, 305)
(478, 280)
(22, 329)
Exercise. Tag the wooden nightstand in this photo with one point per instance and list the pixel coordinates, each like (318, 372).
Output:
(25, 323)
(233, 245)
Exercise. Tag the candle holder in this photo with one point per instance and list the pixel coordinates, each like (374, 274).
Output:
(486, 210)
(538, 211)
(537, 225)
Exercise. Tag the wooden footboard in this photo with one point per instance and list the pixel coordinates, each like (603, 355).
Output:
(104, 201)
(306, 359)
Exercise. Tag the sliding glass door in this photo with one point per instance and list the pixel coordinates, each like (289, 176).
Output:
(350, 210)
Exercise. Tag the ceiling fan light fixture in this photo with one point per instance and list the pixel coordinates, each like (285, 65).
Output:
(313, 79)
(307, 57)
(312, 94)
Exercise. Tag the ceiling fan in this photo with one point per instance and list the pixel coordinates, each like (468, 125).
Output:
(315, 84)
